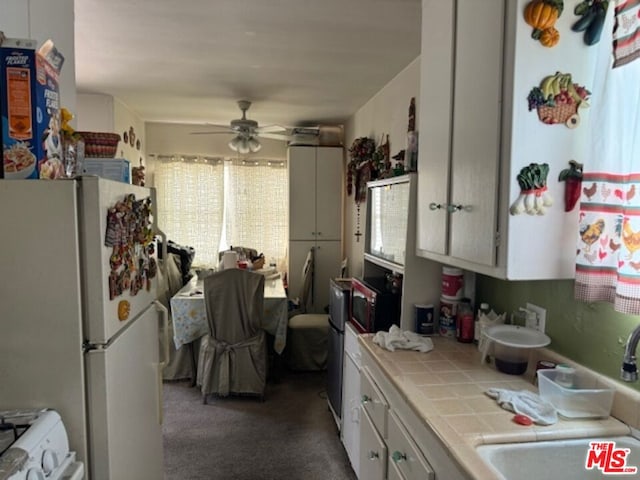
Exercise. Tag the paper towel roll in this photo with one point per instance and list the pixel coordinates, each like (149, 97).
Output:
(230, 259)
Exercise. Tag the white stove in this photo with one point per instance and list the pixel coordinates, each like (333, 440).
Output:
(34, 446)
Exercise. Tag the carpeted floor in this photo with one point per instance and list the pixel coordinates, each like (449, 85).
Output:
(291, 435)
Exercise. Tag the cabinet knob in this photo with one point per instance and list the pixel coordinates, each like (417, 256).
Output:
(457, 208)
(436, 206)
(319, 233)
(373, 455)
(365, 399)
(398, 457)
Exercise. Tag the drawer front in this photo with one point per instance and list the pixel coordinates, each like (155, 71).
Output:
(393, 473)
(373, 402)
(404, 454)
(373, 451)
(351, 345)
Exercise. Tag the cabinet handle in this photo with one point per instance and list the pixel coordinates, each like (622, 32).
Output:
(373, 455)
(319, 233)
(436, 206)
(457, 208)
(398, 457)
(313, 233)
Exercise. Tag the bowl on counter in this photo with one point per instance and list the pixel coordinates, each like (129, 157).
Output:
(512, 345)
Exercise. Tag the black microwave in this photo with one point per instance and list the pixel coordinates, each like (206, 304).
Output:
(372, 308)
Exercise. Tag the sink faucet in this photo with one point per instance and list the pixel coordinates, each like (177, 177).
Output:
(629, 371)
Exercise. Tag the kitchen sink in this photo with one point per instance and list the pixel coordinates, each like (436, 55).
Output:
(566, 459)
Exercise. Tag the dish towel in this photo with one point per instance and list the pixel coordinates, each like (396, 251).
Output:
(396, 338)
(526, 403)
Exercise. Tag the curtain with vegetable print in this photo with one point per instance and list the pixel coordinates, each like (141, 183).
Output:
(608, 250)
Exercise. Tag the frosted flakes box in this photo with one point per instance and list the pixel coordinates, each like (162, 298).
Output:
(30, 110)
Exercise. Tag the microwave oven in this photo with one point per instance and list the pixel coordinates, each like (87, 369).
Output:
(373, 308)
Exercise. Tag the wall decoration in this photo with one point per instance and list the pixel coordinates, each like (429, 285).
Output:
(132, 137)
(361, 153)
(558, 99)
(592, 15)
(542, 16)
(125, 136)
(534, 199)
(572, 177)
(626, 33)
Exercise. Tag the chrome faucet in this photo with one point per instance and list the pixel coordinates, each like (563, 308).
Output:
(629, 371)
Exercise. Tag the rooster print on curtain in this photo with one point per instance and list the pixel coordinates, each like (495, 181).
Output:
(608, 263)
(608, 243)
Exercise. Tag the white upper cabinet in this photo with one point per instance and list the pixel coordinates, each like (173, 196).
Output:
(315, 186)
(478, 65)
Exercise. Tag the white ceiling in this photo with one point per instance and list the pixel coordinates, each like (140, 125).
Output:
(300, 62)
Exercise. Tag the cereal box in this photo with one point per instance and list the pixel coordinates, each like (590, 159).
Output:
(29, 111)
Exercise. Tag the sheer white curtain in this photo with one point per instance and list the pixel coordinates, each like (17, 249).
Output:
(211, 204)
(190, 194)
(257, 207)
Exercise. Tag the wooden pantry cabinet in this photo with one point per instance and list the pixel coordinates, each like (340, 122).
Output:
(478, 65)
(315, 218)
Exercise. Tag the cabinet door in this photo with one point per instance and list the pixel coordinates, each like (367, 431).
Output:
(302, 193)
(329, 193)
(475, 150)
(436, 85)
(373, 451)
(350, 410)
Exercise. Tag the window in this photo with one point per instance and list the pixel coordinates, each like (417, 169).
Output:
(211, 204)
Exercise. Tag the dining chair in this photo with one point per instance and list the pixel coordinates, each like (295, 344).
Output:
(307, 333)
(233, 356)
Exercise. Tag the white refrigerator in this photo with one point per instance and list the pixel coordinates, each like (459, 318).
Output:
(66, 341)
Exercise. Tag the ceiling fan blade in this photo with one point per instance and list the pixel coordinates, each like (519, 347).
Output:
(212, 133)
(271, 129)
(275, 136)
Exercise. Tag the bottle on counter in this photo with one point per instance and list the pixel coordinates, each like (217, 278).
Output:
(477, 331)
(465, 321)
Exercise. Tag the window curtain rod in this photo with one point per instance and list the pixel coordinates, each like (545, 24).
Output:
(190, 158)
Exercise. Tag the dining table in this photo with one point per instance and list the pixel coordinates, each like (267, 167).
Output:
(190, 318)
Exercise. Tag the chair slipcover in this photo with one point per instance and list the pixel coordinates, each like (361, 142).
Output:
(233, 357)
(308, 333)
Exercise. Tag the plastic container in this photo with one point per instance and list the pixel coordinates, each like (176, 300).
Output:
(452, 282)
(583, 400)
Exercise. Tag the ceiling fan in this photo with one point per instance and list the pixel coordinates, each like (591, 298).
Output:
(246, 132)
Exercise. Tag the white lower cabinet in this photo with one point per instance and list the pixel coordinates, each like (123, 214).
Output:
(404, 454)
(350, 431)
(373, 451)
(395, 443)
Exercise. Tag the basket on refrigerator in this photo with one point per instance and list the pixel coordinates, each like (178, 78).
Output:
(100, 144)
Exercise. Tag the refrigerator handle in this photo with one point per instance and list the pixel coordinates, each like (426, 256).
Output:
(165, 356)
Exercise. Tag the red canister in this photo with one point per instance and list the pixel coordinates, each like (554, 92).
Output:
(452, 282)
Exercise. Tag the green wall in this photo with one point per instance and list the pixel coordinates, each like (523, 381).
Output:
(593, 335)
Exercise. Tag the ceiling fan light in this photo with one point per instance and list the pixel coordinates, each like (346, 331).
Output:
(234, 143)
(254, 145)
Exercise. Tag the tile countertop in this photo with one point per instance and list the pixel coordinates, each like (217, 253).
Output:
(446, 386)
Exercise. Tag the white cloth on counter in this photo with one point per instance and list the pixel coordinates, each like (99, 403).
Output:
(526, 403)
(404, 340)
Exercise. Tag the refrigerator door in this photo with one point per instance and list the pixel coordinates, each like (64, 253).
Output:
(97, 196)
(124, 392)
(41, 360)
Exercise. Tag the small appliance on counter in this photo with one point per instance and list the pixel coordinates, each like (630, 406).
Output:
(34, 444)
